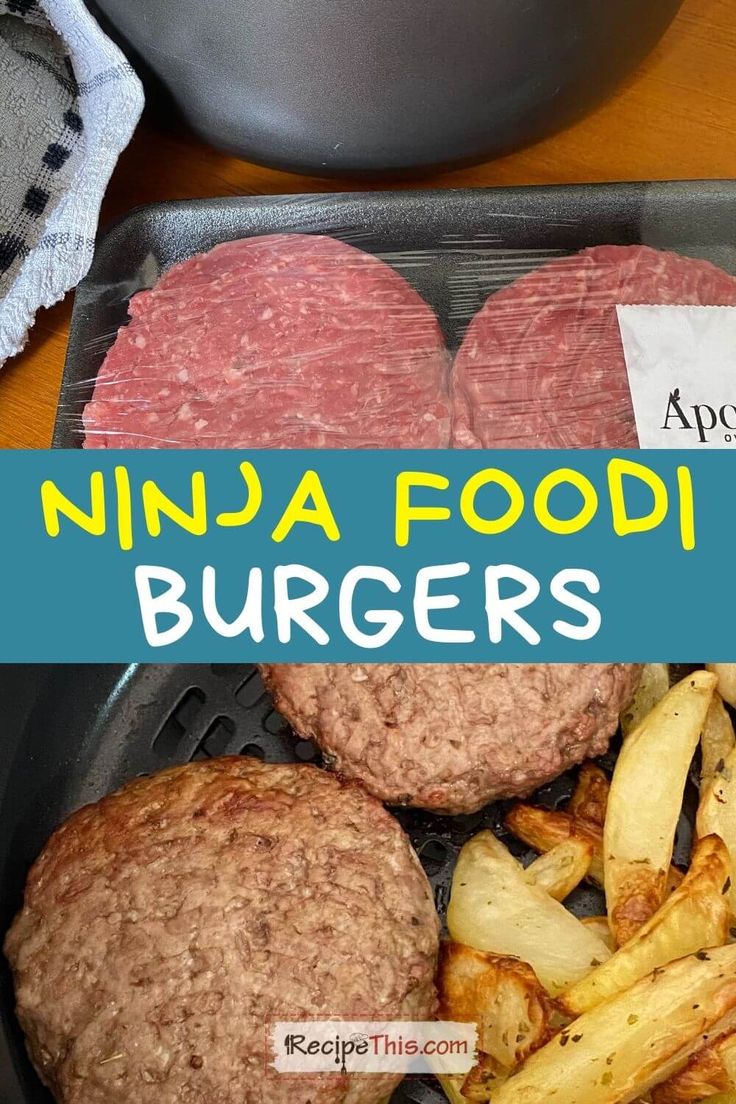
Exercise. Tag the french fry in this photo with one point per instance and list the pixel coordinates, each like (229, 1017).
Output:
(483, 1080)
(501, 996)
(509, 1007)
(717, 740)
(645, 801)
(709, 1072)
(544, 829)
(561, 870)
(654, 684)
(599, 924)
(694, 917)
(717, 812)
(656, 1019)
(590, 799)
(627, 1045)
(493, 908)
(726, 675)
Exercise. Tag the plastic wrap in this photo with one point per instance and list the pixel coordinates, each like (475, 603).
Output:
(275, 341)
(542, 364)
(410, 320)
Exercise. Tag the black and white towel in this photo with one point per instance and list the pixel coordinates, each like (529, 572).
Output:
(69, 102)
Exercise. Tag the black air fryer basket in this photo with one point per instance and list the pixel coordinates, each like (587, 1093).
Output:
(74, 733)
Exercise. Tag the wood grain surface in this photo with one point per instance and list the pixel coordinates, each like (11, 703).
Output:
(674, 119)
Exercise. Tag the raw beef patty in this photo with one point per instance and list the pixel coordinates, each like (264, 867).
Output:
(452, 737)
(286, 341)
(164, 927)
(542, 364)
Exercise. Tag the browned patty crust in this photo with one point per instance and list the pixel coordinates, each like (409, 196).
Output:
(164, 925)
(452, 737)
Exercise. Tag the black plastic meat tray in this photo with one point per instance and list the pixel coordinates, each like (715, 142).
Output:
(73, 733)
(454, 246)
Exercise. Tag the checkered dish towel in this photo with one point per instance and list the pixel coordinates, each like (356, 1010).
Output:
(69, 102)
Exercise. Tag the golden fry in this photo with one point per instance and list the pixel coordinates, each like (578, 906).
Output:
(590, 799)
(694, 917)
(501, 995)
(544, 829)
(482, 1082)
(717, 740)
(717, 812)
(627, 1045)
(561, 870)
(509, 1007)
(654, 684)
(493, 908)
(709, 1072)
(645, 801)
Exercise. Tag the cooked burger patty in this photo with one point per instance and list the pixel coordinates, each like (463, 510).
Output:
(164, 926)
(453, 737)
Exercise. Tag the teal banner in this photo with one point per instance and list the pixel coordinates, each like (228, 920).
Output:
(447, 556)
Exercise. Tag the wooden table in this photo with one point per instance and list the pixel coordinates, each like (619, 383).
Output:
(675, 119)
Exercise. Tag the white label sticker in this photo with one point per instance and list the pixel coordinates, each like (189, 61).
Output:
(361, 1046)
(681, 363)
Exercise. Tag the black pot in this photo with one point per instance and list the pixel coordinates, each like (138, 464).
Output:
(344, 85)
